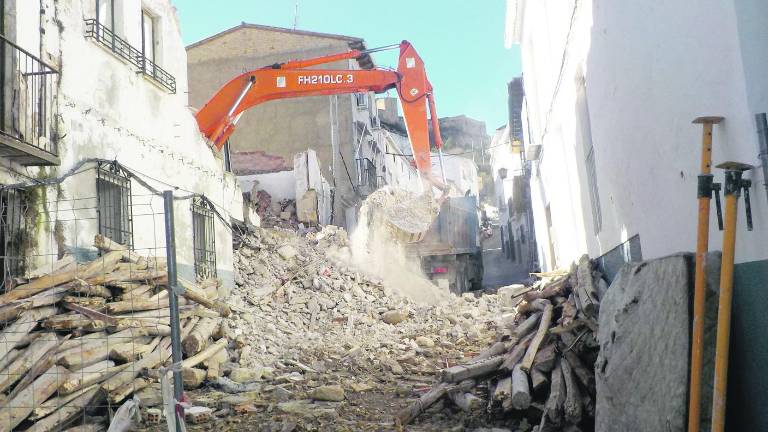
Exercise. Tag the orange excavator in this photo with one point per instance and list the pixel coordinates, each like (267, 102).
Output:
(218, 118)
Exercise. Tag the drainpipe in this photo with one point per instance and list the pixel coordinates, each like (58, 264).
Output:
(762, 135)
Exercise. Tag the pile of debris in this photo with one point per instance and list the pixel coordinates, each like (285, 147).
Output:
(281, 214)
(82, 336)
(541, 370)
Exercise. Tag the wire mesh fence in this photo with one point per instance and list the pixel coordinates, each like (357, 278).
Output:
(85, 319)
(86, 313)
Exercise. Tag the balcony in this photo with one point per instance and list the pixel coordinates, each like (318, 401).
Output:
(121, 48)
(27, 107)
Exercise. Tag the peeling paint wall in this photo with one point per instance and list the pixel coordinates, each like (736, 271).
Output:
(108, 110)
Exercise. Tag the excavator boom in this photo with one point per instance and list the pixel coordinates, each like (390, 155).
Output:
(218, 117)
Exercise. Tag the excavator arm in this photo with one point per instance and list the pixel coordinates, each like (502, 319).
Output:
(217, 119)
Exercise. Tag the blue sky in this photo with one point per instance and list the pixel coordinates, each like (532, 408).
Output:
(461, 42)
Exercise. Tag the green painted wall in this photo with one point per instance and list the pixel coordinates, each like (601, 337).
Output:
(747, 405)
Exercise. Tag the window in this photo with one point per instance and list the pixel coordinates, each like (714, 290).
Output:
(204, 238)
(361, 100)
(585, 128)
(148, 41)
(105, 13)
(13, 207)
(113, 197)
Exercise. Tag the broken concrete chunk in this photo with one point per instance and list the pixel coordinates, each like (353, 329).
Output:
(424, 342)
(305, 408)
(330, 393)
(245, 375)
(394, 317)
(286, 252)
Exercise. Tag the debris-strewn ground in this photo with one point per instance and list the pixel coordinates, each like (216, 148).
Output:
(321, 346)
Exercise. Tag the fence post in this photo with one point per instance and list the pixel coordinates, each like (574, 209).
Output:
(170, 250)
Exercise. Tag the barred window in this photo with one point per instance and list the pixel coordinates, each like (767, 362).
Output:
(204, 238)
(13, 207)
(113, 195)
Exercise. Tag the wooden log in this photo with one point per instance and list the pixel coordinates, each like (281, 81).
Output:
(533, 347)
(407, 414)
(101, 265)
(526, 326)
(18, 408)
(466, 401)
(461, 372)
(545, 358)
(503, 389)
(521, 393)
(89, 376)
(548, 291)
(130, 266)
(127, 276)
(572, 404)
(584, 374)
(119, 394)
(569, 311)
(214, 363)
(554, 406)
(539, 381)
(57, 402)
(137, 293)
(24, 362)
(535, 305)
(150, 361)
(130, 351)
(586, 288)
(513, 357)
(78, 359)
(12, 311)
(198, 337)
(136, 305)
(104, 338)
(195, 294)
(65, 414)
(11, 357)
(205, 354)
(35, 286)
(39, 366)
(95, 303)
(193, 378)
(79, 286)
(494, 350)
(13, 335)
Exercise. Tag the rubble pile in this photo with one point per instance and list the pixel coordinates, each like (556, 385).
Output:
(298, 299)
(539, 375)
(271, 213)
(78, 338)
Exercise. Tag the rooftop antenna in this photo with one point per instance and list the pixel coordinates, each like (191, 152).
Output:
(296, 15)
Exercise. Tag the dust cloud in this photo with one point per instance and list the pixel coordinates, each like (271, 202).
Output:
(375, 249)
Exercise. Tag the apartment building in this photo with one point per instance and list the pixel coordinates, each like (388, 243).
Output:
(94, 124)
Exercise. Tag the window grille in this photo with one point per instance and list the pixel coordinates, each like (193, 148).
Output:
(204, 238)
(13, 210)
(113, 196)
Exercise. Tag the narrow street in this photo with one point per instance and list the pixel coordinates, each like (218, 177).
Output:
(498, 269)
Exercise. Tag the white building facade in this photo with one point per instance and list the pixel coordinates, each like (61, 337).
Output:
(610, 101)
(611, 89)
(111, 129)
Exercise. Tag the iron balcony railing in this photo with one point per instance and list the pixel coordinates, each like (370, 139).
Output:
(27, 107)
(121, 48)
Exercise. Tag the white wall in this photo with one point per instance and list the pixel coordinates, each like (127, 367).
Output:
(279, 185)
(109, 111)
(642, 71)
